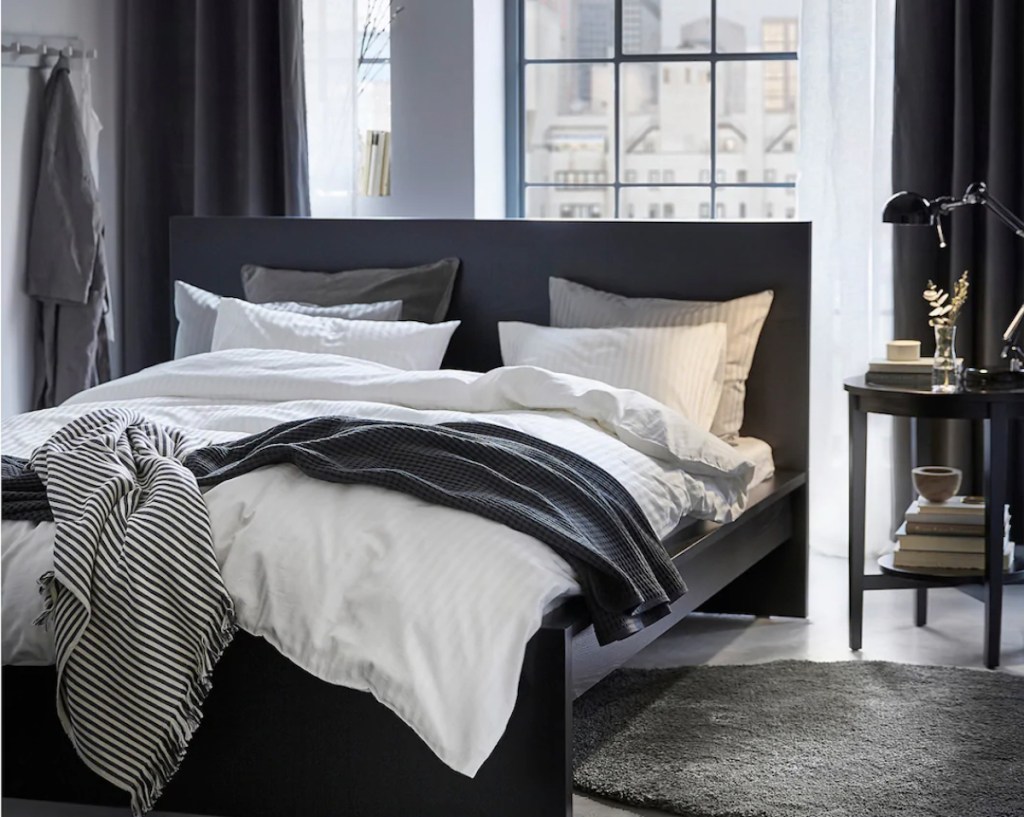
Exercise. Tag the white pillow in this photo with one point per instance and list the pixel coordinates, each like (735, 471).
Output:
(403, 344)
(196, 310)
(679, 366)
(578, 305)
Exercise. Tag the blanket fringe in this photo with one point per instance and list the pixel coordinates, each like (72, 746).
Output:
(48, 590)
(187, 719)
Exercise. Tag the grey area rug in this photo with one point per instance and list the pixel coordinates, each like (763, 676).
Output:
(805, 739)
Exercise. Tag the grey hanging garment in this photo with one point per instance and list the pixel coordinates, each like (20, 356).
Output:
(66, 262)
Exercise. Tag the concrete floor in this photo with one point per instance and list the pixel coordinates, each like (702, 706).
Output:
(952, 637)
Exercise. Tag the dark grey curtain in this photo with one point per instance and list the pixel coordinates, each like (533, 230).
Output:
(214, 124)
(958, 118)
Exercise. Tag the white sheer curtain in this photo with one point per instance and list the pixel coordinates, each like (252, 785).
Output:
(329, 38)
(846, 79)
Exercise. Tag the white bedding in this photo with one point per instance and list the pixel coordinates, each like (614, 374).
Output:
(759, 454)
(427, 608)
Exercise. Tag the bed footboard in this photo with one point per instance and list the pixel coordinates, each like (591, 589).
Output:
(276, 742)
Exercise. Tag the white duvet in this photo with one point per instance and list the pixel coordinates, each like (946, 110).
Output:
(427, 608)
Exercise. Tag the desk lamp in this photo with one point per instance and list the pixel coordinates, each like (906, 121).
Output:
(907, 208)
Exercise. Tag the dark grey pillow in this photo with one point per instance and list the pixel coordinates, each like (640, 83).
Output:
(424, 291)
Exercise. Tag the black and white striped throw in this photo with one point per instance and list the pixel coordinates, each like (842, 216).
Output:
(139, 611)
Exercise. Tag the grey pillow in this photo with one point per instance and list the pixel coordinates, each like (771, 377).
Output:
(425, 291)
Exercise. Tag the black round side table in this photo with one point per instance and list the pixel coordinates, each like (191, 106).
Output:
(998, 409)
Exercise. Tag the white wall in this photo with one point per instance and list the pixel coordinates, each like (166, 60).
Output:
(447, 112)
(98, 24)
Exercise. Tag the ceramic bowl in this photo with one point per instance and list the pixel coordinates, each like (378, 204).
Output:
(937, 483)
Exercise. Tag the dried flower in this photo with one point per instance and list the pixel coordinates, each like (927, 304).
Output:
(945, 311)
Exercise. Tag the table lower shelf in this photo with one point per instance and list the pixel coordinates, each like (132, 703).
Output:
(938, 576)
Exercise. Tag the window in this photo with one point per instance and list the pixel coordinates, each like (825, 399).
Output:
(668, 210)
(579, 211)
(780, 78)
(641, 93)
(347, 61)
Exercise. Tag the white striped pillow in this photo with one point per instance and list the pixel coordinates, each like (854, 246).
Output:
(679, 366)
(577, 306)
(406, 345)
(196, 311)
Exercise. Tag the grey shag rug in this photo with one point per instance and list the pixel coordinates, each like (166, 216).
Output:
(806, 739)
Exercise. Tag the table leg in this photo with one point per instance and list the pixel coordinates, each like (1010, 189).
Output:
(921, 606)
(996, 474)
(921, 454)
(858, 498)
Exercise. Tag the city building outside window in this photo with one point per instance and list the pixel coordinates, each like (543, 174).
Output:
(692, 107)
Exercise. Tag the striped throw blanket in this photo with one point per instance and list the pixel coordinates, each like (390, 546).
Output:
(139, 611)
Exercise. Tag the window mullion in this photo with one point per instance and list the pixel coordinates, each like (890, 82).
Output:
(714, 112)
(617, 97)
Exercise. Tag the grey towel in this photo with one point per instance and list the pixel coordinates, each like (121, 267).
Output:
(66, 262)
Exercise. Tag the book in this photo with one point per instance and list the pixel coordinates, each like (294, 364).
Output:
(923, 365)
(956, 522)
(948, 561)
(956, 528)
(945, 544)
(959, 505)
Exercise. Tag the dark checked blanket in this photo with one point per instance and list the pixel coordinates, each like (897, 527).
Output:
(547, 492)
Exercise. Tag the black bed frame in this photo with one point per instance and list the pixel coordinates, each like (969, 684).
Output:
(275, 741)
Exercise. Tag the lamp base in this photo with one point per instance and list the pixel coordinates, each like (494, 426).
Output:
(995, 378)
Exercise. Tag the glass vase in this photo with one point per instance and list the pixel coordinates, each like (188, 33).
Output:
(945, 369)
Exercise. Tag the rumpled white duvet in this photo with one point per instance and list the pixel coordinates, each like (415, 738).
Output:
(427, 608)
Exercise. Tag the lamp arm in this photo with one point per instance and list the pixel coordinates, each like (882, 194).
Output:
(1013, 338)
(977, 193)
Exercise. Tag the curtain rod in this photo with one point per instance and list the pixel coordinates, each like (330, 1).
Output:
(41, 54)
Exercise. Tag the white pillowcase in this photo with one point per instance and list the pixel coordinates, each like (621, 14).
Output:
(681, 367)
(577, 305)
(402, 344)
(196, 310)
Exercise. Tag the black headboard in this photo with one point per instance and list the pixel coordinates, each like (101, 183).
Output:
(505, 270)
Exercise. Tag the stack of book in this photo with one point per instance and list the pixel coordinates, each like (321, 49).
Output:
(910, 373)
(948, 535)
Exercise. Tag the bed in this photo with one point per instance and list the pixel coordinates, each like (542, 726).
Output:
(275, 740)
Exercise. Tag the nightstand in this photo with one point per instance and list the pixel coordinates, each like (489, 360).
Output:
(998, 409)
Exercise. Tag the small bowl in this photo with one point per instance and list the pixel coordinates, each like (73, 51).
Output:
(937, 483)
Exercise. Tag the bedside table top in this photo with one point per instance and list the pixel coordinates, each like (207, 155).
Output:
(910, 402)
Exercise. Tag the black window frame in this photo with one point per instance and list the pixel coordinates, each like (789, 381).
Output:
(516, 185)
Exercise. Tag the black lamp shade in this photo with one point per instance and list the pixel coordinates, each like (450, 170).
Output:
(908, 208)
